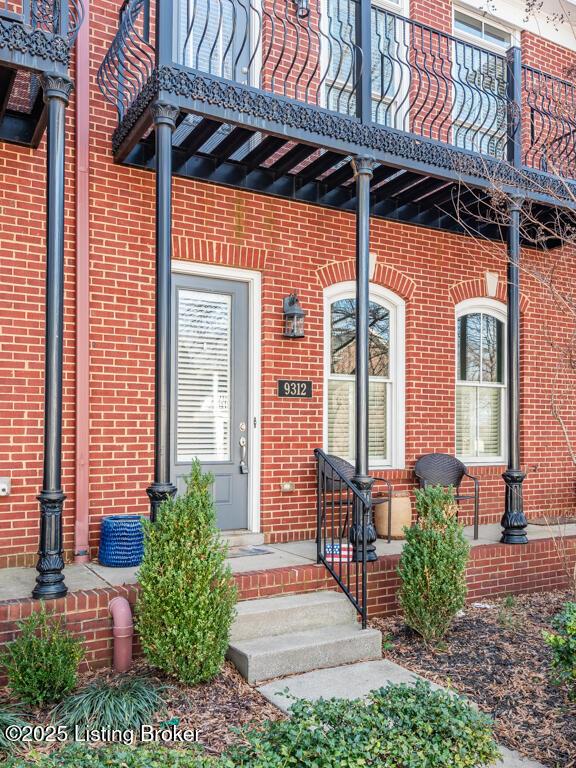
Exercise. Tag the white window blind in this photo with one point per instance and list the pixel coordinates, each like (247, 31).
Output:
(480, 387)
(203, 376)
(341, 381)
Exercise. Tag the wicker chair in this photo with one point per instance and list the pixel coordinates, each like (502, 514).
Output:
(347, 471)
(443, 469)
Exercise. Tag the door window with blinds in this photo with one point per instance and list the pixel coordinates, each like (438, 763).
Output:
(480, 385)
(341, 375)
(203, 376)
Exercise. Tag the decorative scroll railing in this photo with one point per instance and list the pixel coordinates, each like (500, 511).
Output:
(549, 141)
(421, 81)
(61, 18)
(342, 525)
(130, 59)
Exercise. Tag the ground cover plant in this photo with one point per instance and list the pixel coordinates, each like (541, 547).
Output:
(563, 644)
(41, 664)
(496, 655)
(187, 598)
(433, 566)
(400, 726)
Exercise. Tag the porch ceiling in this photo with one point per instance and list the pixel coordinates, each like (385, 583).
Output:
(207, 150)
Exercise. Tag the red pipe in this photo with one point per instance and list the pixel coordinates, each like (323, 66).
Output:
(122, 631)
(82, 173)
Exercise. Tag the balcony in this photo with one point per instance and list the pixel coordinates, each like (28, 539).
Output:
(36, 37)
(277, 96)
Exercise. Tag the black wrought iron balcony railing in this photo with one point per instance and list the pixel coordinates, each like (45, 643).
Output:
(43, 28)
(385, 70)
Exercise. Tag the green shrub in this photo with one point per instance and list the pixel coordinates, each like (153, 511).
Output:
(400, 726)
(187, 597)
(563, 644)
(433, 566)
(42, 662)
(126, 705)
(9, 717)
(78, 755)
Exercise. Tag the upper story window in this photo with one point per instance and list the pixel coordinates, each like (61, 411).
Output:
(386, 382)
(480, 382)
(479, 29)
(480, 84)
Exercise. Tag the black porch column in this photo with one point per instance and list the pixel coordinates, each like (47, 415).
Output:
(50, 579)
(161, 488)
(363, 167)
(513, 520)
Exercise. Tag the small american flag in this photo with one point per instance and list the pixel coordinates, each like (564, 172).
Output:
(336, 552)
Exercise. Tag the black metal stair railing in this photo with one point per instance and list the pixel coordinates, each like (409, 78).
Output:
(342, 514)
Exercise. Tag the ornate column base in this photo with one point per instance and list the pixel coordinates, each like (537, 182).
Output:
(158, 493)
(514, 521)
(364, 484)
(50, 580)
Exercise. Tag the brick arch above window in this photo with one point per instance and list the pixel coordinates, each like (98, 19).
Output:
(384, 275)
(476, 289)
(214, 252)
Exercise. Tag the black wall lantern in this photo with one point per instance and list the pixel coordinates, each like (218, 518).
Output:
(293, 317)
(302, 8)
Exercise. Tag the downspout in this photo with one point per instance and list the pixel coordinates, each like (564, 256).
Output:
(122, 632)
(82, 174)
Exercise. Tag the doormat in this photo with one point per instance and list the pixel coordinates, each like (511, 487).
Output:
(247, 551)
(553, 520)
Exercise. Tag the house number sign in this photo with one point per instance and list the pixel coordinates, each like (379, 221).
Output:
(291, 388)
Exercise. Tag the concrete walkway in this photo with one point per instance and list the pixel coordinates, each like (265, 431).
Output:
(355, 681)
(17, 583)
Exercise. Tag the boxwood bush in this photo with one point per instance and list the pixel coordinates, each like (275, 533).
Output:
(433, 566)
(187, 594)
(42, 662)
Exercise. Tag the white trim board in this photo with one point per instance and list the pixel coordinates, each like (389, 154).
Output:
(254, 281)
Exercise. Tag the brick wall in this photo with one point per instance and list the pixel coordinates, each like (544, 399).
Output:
(295, 247)
(494, 571)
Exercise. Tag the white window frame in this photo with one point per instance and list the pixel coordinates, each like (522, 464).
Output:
(498, 310)
(484, 18)
(396, 374)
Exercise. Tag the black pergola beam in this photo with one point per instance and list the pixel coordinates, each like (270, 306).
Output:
(338, 177)
(267, 147)
(198, 136)
(232, 143)
(397, 184)
(266, 180)
(7, 77)
(292, 158)
(318, 167)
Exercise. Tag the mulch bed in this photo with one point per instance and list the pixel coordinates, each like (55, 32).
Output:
(214, 709)
(496, 656)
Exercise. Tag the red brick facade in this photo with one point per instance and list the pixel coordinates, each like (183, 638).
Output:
(294, 246)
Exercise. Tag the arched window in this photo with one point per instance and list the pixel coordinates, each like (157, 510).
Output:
(386, 368)
(480, 381)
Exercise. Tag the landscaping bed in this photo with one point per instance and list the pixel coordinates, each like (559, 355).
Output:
(495, 655)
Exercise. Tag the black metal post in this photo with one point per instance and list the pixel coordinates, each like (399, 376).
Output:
(514, 521)
(162, 488)
(363, 530)
(50, 580)
(363, 54)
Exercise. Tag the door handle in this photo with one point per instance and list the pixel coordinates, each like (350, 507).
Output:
(243, 465)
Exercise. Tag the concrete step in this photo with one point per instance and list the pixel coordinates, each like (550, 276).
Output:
(271, 616)
(267, 657)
